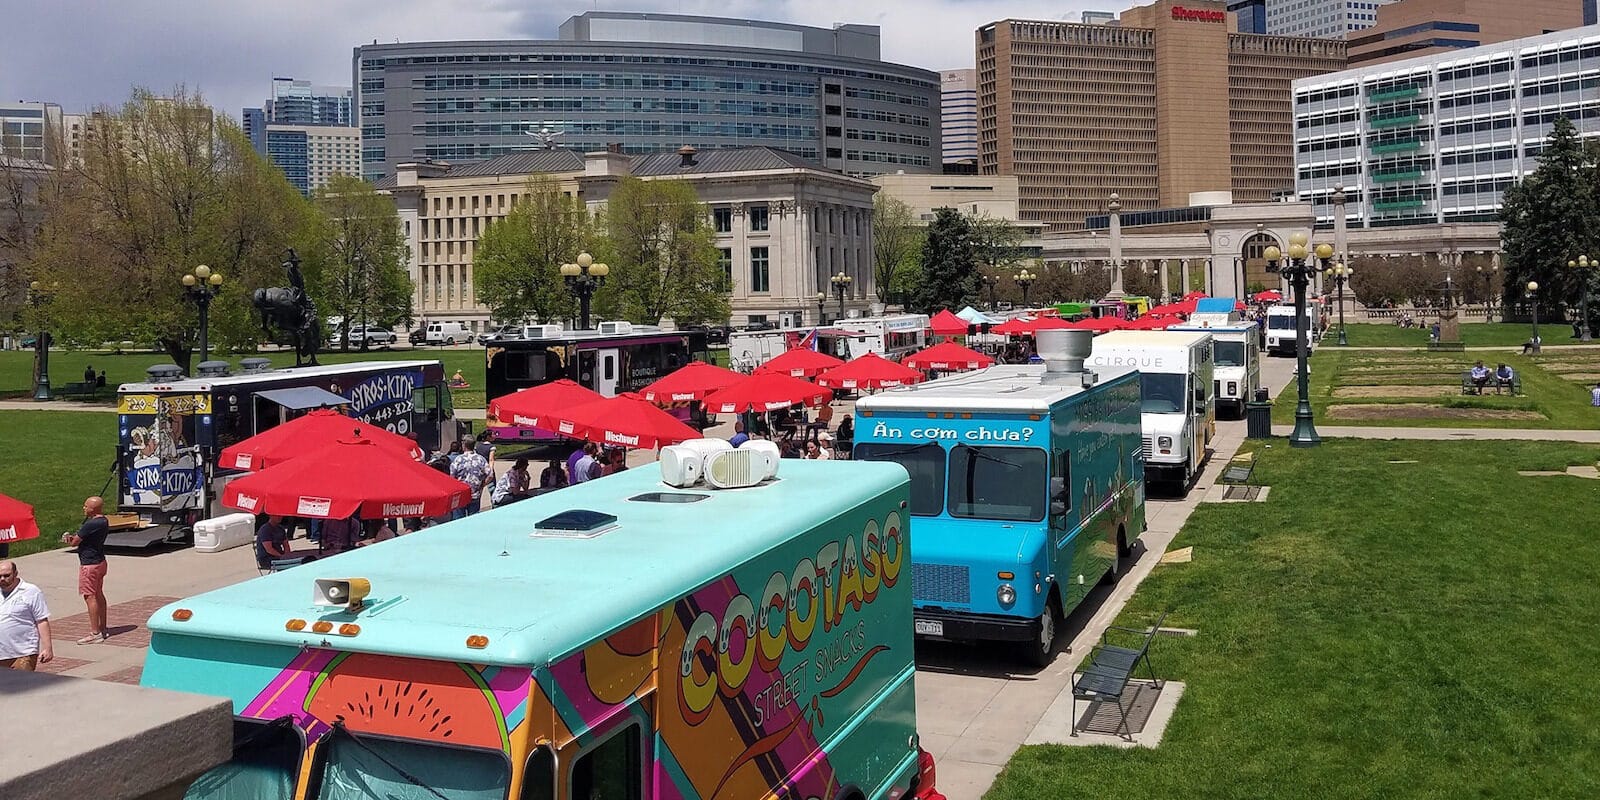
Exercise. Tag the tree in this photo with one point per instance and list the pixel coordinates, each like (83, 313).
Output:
(996, 244)
(516, 267)
(663, 255)
(1550, 216)
(896, 243)
(363, 275)
(950, 277)
(20, 185)
(164, 186)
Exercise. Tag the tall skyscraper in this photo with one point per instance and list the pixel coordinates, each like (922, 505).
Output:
(306, 130)
(958, 115)
(1322, 19)
(1250, 16)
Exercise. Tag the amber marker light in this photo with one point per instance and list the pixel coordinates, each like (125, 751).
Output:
(321, 627)
(295, 625)
(349, 629)
(477, 642)
(182, 615)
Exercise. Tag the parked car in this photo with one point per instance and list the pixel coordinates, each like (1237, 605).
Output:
(503, 332)
(765, 325)
(373, 335)
(715, 334)
(448, 333)
(418, 337)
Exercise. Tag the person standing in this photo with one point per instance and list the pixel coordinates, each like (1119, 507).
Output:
(585, 468)
(473, 470)
(91, 543)
(24, 622)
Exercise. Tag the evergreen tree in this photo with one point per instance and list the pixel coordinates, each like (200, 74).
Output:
(950, 276)
(1552, 215)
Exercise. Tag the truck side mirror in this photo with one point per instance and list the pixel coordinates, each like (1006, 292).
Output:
(1058, 508)
(1058, 488)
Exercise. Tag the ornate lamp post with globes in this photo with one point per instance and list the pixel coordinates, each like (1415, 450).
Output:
(822, 300)
(1488, 276)
(582, 278)
(202, 286)
(1025, 280)
(39, 297)
(1300, 270)
(991, 281)
(841, 285)
(1583, 267)
(1533, 300)
(1341, 275)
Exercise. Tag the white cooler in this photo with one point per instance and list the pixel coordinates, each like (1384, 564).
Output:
(224, 532)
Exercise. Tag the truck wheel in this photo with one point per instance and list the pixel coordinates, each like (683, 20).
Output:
(1123, 551)
(1041, 652)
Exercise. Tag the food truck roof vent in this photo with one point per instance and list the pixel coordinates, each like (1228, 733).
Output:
(1063, 352)
(213, 369)
(255, 365)
(164, 372)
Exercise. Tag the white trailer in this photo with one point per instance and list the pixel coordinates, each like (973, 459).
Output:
(1178, 393)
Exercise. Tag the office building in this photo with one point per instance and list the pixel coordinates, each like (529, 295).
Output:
(1166, 103)
(1249, 16)
(1322, 19)
(958, 115)
(1412, 28)
(651, 82)
(1098, 17)
(297, 102)
(311, 154)
(1438, 139)
(32, 132)
(783, 225)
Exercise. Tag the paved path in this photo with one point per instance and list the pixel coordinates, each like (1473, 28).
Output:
(1449, 434)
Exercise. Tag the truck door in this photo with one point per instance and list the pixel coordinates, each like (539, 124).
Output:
(608, 373)
(427, 418)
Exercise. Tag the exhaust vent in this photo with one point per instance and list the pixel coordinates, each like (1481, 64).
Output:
(255, 365)
(1063, 353)
(164, 372)
(213, 369)
(616, 328)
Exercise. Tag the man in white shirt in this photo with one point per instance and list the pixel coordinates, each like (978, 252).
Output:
(24, 622)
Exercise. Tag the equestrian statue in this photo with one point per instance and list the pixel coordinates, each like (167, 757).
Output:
(291, 311)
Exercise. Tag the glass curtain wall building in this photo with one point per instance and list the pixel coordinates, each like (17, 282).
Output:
(1439, 138)
(651, 82)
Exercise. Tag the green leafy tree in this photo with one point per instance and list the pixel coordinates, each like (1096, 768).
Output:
(1550, 216)
(662, 251)
(164, 186)
(997, 245)
(896, 244)
(363, 278)
(516, 266)
(950, 276)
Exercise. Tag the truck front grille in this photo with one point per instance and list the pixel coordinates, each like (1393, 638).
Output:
(1149, 447)
(940, 583)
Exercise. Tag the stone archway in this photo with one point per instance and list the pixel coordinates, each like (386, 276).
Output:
(1253, 255)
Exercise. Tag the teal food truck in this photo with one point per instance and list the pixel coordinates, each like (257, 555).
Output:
(1027, 486)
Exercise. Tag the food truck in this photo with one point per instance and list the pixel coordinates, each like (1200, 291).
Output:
(1178, 396)
(1236, 357)
(621, 638)
(1026, 486)
(1281, 329)
(893, 337)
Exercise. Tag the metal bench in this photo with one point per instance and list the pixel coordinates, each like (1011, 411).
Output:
(83, 390)
(1110, 666)
(1240, 468)
(1468, 387)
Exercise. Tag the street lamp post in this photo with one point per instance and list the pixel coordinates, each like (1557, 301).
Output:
(841, 284)
(582, 278)
(1488, 290)
(201, 286)
(1533, 299)
(1299, 270)
(39, 297)
(822, 299)
(1341, 275)
(991, 281)
(1025, 280)
(1582, 265)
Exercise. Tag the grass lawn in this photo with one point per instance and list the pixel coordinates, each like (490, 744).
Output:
(1473, 334)
(1374, 630)
(54, 459)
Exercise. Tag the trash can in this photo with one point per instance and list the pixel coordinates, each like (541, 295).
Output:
(1258, 417)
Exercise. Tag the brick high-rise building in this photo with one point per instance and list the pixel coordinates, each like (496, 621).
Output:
(1168, 102)
(1413, 28)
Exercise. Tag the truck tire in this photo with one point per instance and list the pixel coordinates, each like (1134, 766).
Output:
(1117, 565)
(1041, 652)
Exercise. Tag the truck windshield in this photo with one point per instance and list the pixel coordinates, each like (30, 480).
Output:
(1280, 322)
(266, 761)
(1161, 392)
(379, 767)
(925, 462)
(996, 483)
(1230, 354)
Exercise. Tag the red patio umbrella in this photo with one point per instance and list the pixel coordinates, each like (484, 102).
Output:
(306, 433)
(870, 371)
(692, 381)
(1013, 327)
(947, 356)
(765, 391)
(1150, 323)
(1269, 296)
(1101, 324)
(16, 520)
(350, 475)
(627, 420)
(1196, 296)
(801, 363)
(527, 406)
(1172, 308)
(946, 323)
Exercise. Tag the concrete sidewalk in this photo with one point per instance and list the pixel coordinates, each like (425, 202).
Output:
(1448, 434)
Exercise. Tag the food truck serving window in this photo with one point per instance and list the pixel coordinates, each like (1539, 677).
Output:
(1230, 354)
(997, 482)
(372, 766)
(925, 462)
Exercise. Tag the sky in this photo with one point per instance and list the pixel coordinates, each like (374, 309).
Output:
(86, 53)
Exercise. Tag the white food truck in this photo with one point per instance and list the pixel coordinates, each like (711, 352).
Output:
(1280, 329)
(1178, 396)
(892, 337)
(1236, 356)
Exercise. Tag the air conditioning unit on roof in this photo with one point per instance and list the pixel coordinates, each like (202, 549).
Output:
(615, 328)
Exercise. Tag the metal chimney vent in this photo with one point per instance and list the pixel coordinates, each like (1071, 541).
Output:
(164, 372)
(1063, 353)
(213, 369)
(255, 366)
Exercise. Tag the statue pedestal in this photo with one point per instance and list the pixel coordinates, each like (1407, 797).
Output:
(1449, 327)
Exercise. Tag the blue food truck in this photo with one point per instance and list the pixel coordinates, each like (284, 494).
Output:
(1027, 482)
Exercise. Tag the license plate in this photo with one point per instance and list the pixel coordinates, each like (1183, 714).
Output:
(927, 627)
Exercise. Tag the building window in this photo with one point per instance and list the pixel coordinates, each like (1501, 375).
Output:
(725, 260)
(758, 270)
(758, 218)
(722, 219)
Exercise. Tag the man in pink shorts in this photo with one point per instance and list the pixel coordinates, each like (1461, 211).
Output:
(91, 543)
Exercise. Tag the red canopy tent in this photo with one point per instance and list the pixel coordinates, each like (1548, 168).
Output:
(692, 381)
(947, 356)
(870, 371)
(800, 363)
(946, 323)
(627, 420)
(1101, 324)
(350, 475)
(1025, 327)
(765, 391)
(1150, 323)
(1195, 296)
(1172, 309)
(1269, 296)
(303, 434)
(16, 521)
(529, 405)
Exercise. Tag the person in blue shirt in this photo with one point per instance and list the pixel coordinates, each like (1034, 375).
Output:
(1480, 377)
(1504, 378)
(739, 437)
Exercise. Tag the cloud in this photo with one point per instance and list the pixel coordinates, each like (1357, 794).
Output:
(83, 54)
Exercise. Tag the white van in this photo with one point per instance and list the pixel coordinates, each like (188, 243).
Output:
(1236, 354)
(1280, 329)
(1179, 401)
(447, 333)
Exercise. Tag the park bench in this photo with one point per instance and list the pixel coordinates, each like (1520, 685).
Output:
(1468, 387)
(1239, 468)
(1110, 666)
(82, 390)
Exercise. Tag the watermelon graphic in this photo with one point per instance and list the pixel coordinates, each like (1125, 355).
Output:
(410, 698)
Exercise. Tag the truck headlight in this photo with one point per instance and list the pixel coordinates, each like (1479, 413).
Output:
(1006, 594)
(1233, 387)
(1164, 442)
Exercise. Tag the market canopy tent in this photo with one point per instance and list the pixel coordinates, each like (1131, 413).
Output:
(870, 371)
(692, 381)
(800, 363)
(766, 391)
(976, 317)
(16, 521)
(529, 405)
(348, 476)
(1023, 326)
(627, 420)
(303, 434)
(946, 323)
(1101, 324)
(1150, 323)
(948, 357)
(1269, 296)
